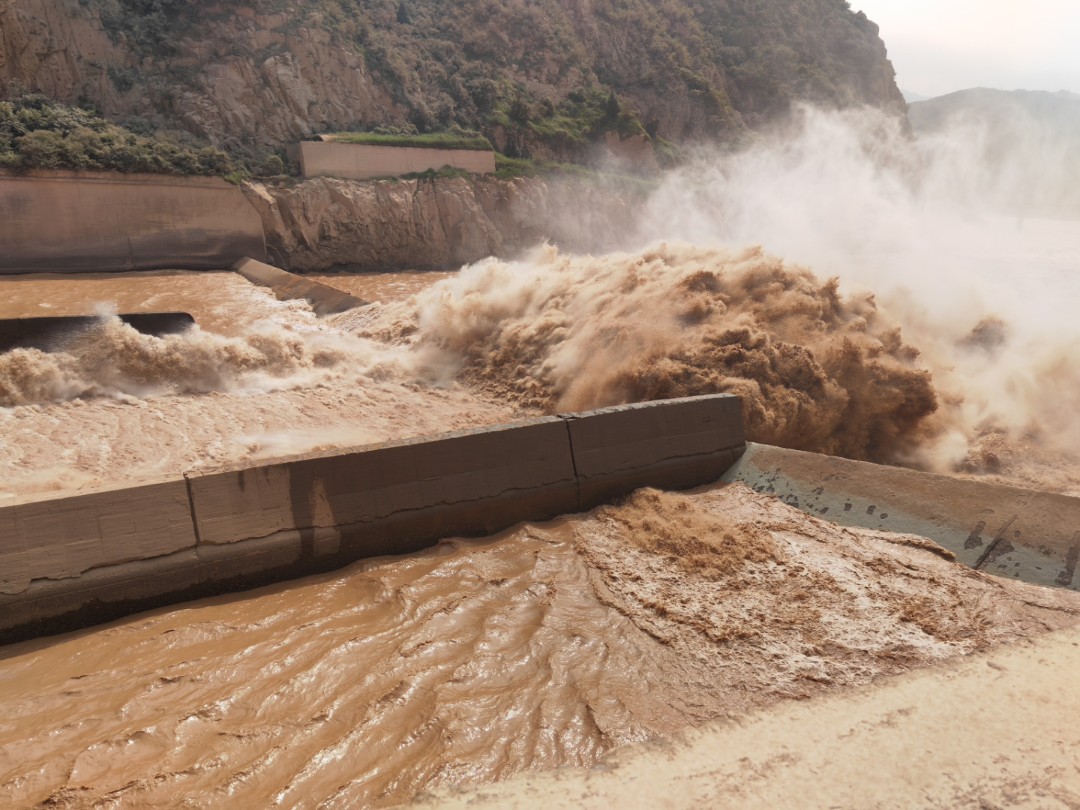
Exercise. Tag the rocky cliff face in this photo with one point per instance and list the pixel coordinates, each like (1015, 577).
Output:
(445, 222)
(270, 71)
(247, 78)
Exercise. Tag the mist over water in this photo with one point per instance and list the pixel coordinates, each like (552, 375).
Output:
(945, 231)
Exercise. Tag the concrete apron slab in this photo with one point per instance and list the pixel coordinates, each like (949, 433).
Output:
(1007, 531)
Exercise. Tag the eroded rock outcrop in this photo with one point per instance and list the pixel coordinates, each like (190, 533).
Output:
(427, 223)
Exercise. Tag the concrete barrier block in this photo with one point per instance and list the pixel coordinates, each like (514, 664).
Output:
(672, 443)
(59, 538)
(100, 595)
(448, 481)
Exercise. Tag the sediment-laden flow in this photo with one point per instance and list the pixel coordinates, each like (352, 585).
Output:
(817, 370)
(548, 645)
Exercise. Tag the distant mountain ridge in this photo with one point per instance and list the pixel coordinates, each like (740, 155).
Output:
(1024, 143)
(1061, 108)
(534, 75)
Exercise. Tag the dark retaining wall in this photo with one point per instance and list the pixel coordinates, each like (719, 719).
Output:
(75, 561)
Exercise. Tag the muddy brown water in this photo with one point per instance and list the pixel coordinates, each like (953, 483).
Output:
(549, 645)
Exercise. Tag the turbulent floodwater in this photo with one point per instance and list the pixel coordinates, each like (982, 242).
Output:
(546, 646)
(551, 644)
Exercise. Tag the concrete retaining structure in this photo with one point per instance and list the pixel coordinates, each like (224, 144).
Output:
(324, 300)
(65, 222)
(1007, 531)
(74, 561)
(354, 161)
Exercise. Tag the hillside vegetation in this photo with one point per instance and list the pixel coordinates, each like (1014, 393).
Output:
(541, 79)
(36, 133)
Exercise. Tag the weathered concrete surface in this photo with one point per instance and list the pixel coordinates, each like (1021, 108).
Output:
(1012, 532)
(71, 561)
(998, 729)
(393, 498)
(354, 161)
(324, 299)
(55, 221)
(44, 333)
(57, 538)
(617, 450)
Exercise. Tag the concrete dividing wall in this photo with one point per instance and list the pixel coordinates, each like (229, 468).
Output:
(1002, 530)
(70, 562)
(324, 299)
(102, 221)
(352, 161)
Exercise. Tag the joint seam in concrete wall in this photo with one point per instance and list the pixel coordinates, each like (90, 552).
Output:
(191, 511)
(573, 459)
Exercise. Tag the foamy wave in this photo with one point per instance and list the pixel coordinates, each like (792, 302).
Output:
(816, 371)
(113, 359)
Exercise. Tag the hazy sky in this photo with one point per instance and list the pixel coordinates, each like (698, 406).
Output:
(938, 46)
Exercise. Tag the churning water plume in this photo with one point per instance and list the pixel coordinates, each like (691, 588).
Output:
(974, 251)
(816, 371)
(111, 358)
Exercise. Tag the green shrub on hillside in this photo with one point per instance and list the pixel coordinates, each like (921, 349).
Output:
(460, 140)
(36, 133)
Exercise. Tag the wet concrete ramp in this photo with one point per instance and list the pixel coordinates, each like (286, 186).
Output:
(50, 333)
(1002, 530)
(324, 299)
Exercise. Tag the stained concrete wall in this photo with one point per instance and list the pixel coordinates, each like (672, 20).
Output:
(68, 562)
(55, 221)
(1002, 530)
(352, 161)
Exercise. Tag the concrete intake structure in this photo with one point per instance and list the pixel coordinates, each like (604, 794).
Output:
(73, 561)
(71, 222)
(324, 299)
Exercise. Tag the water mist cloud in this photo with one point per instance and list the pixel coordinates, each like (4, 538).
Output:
(944, 229)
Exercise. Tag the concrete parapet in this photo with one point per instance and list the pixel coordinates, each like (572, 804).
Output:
(395, 497)
(352, 161)
(72, 561)
(1003, 530)
(324, 300)
(65, 222)
(686, 443)
(60, 538)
